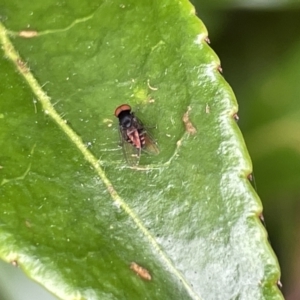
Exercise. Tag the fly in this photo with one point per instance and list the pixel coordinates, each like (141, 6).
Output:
(133, 135)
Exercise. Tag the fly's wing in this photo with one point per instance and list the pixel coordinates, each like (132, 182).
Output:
(150, 145)
(131, 153)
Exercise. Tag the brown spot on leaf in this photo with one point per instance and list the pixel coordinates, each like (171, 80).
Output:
(188, 125)
(279, 284)
(262, 219)
(142, 272)
(28, 33)
(111, 189)
(22, 66)
(236, 117)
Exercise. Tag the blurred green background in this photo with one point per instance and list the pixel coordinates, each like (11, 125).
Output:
(258, 43)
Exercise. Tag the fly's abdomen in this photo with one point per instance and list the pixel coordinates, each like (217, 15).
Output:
(133, 137)
(142, 139)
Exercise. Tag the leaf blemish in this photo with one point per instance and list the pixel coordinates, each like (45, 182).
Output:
(28, 33)
(279, 284)
(236, 117)
(151, 87)
(200, 38)
(142, 272)
(22, 66)
(188, 124)
(207, 109)
(33, 33)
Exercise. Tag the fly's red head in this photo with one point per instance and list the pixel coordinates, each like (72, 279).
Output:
(123, 113)
(123, 107)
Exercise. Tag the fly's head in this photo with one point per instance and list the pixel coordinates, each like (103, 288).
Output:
(126, 120)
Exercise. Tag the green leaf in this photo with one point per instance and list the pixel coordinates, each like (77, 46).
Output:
(73, 215)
